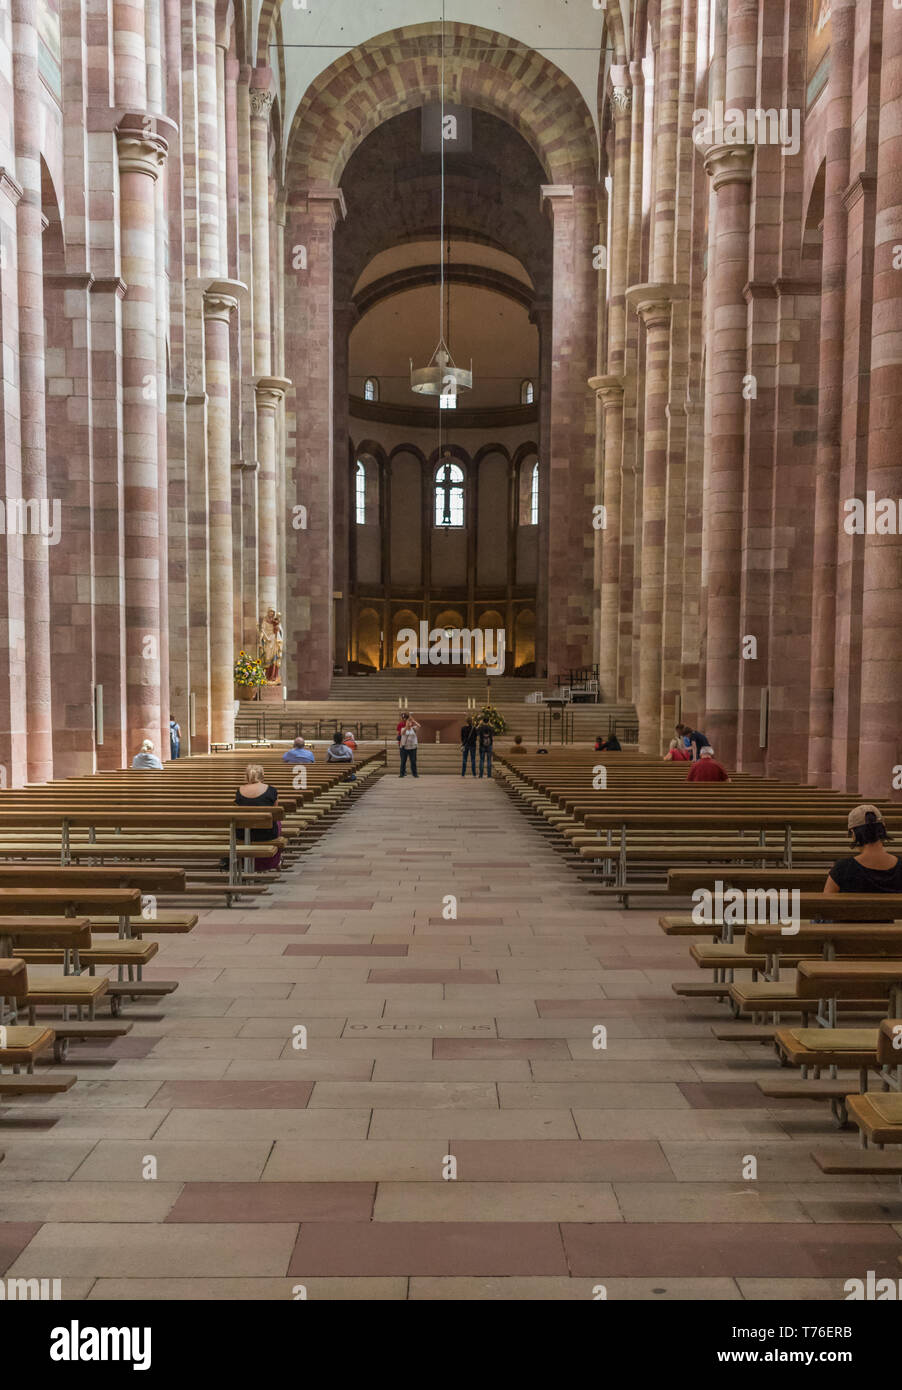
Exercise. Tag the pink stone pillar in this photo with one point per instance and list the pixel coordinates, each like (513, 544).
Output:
(572, 411)
(141, 157)
(730, 167)
(32, 413)
(881, 642)
(13, 767)
(270, 392)
(345, 316)
(838, 99)
(309, 364)
(220, 302)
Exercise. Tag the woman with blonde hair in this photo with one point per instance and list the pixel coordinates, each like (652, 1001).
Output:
(257, 793)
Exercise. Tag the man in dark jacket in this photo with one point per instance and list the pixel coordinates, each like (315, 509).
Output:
(468, 736)
(486, 738)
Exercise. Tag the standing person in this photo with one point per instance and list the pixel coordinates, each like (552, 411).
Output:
(872, 869)
(409, 746)
(147, 758)
(694, 739)
(257, 792)
(400, 728)
(486, 736)
(468, 737)
(175, 738)
(707, 769)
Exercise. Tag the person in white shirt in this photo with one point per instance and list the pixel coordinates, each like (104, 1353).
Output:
(409, 746)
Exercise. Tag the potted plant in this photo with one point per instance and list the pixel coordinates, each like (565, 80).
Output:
(249, 675)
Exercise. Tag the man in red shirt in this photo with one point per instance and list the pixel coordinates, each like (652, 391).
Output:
(707, 769)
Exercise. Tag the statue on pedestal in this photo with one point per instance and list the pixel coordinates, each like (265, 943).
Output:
(269, 645)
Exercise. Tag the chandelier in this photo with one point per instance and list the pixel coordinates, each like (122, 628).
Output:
(441, 377)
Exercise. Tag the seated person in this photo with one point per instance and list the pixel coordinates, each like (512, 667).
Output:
(541, 750)
(693, 739)
(609, 745)
(147, 757)
(349, 739)
(677, 752)
(707, 769)
(257, 792)
(298, 753)
(339, 752)
(518, 745)
(872, 869)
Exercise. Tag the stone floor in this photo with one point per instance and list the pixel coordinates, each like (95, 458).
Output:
(450, 972)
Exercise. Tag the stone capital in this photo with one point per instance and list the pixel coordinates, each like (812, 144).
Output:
(728, 163)
(221, 298)
(608, 389)
(10, 186)
(621, 102)
(261, 103)
(141, 151)
(321, 202)
(270, 390)
(653, 302)
(555, 194)
(865, 182)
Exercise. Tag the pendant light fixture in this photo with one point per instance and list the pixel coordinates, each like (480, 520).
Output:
(441, 377)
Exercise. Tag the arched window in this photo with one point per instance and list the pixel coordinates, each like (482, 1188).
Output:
(534, 496)
(371, 389)
(527, 392)
(360, 493)
(449, 494)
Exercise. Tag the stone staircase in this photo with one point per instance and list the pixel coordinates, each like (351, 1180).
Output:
(372, 702)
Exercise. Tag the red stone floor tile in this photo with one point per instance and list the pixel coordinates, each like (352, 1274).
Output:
(560, 1160)
(274, 1201)
(730, 1095)
(789, 1251)
(428, 1247)
(232, 1095)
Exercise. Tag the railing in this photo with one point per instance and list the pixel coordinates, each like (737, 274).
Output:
(554, 726)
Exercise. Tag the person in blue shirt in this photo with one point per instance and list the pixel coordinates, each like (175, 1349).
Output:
(298, 753)
(175, 738)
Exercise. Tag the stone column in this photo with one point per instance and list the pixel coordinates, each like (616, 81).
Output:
(32, 414)
(270, 392)
(345, 316)
(220, 301)
(540, 315)
(572, 411)
(838, 98)
(309, 363)
(13, 750)
(730, 168)
(141, 157)
(610, 391)
(880, 747)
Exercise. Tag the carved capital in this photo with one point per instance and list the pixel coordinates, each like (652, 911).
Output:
(270, 390)
(621, 102)
(729, 164)
(261, 102)
(140, 151)
(608, 389)
(653, 302)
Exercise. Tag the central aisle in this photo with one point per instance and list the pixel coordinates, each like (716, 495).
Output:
(432, 1035)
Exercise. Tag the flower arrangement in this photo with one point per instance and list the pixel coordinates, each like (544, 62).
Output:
(249, 671)
(495, 718)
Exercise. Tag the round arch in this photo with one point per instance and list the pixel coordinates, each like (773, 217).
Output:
(397, 71)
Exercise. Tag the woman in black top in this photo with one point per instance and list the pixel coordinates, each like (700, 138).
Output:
(257, 792)
(873, 869)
